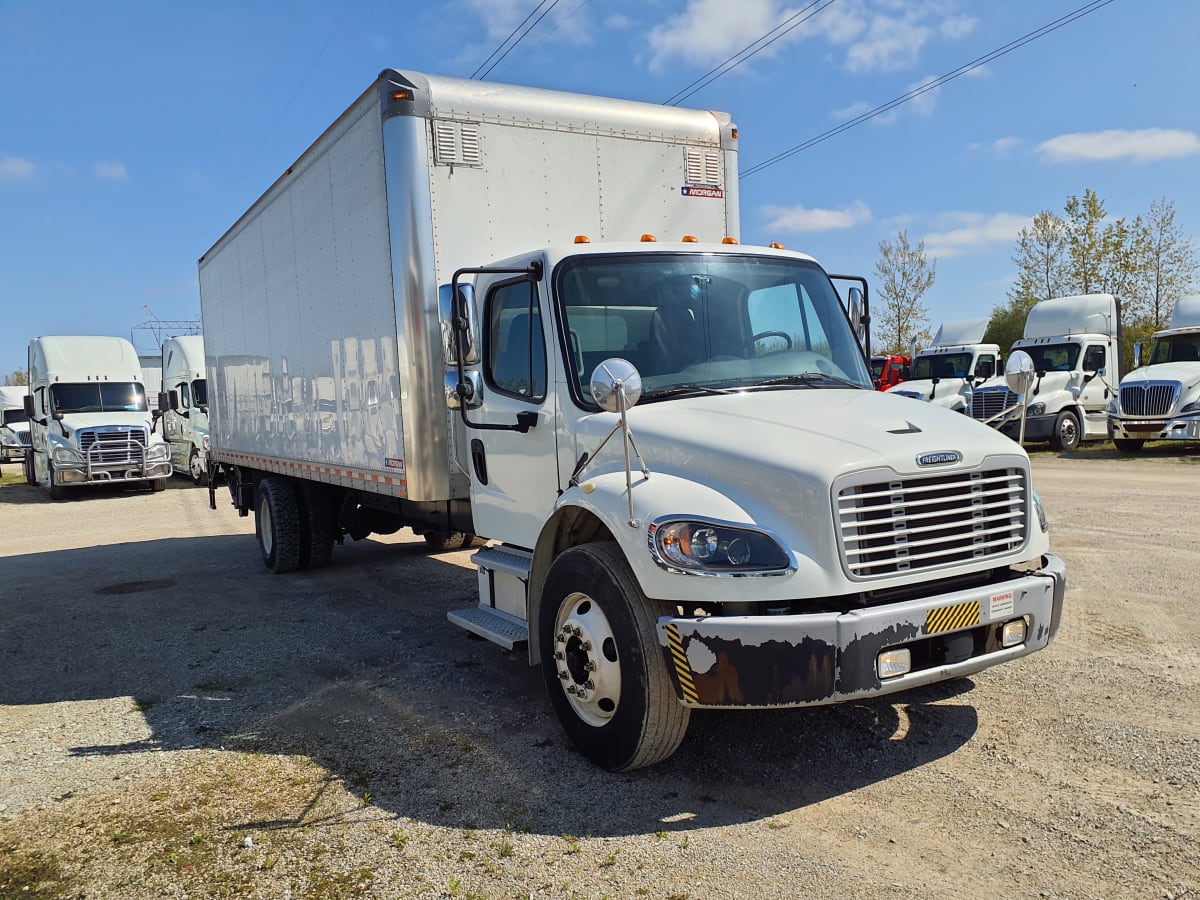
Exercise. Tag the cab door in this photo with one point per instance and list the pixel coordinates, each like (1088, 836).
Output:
(1096, 391)
(513, 459)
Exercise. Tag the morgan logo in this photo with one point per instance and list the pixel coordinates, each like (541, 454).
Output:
(694, 190)
(941, 458)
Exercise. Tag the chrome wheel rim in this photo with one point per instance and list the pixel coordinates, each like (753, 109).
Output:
(264, 527)
(586, 660)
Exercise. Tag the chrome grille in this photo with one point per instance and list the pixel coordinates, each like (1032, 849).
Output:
(985, 404)
(25, 438)
(116, 445)
(912, 524)
(1151, 398)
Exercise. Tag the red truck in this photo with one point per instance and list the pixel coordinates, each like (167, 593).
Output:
(888, 371)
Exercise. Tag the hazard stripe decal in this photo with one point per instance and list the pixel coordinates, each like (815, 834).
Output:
(950, 618)
(687, 686)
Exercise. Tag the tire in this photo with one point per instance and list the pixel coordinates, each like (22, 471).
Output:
(441, 541)
(595, 617)
(57, 491)
(158, 485)
(30, 478)
(277, 524)
(198, 472)
(1128, 445)
(1066, 432)
(318, 527)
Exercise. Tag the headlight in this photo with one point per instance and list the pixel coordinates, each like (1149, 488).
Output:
(65, 455)
(157, 452)
(715, 548)
(1114, 406)
(1036, 409)
(1041, 513)
(8, 439)
(204, 444)
(1190, 409)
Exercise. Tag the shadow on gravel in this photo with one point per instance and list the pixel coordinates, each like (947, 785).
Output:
(356, 666)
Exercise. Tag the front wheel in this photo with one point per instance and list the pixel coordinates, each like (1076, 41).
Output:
(1128, 445)
(277, 524)
(57, 491)
(1066, 432)
(603, 665)
(158, 485)
(196, 469)
(30, 476)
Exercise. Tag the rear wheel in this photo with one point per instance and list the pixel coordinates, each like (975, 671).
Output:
(602, 662)
(1128, 445)
(277, 524)
(1066, 431)
(443, 541)
(196, 469)
(318, 525)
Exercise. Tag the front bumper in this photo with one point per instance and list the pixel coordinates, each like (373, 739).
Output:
(1037, 428)
(821, 658)
(1182, 429)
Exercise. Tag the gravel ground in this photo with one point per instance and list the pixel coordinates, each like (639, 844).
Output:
(175, 721)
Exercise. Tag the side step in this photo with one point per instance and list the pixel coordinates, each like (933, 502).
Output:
(498, 627)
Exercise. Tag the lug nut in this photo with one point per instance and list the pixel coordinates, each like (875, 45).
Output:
(558, 654)
(586, 646)
(562, 676)
(589, 666)
(590, 685)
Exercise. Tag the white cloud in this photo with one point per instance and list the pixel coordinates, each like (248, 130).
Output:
(111, 170)
(890, 45)
(1001, 148)
(709, 31)
(954, 28)
(800, 219)
(967, 231)
(921, 105)
(618, 22)
(14, 168)
(501, 17)
(1140, 146)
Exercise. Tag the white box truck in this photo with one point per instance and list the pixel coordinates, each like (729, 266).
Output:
(946, 372)
(185, 406)
(1160, 401)
(14, 424)
(89, 421)
(1073, 344)
(444, 316)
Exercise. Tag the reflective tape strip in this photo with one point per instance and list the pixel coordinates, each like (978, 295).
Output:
(686, 685)
(952, 617)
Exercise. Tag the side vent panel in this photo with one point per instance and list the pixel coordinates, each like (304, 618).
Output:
(456, 144)
(702, 167)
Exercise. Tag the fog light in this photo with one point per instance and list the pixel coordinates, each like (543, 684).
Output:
(891, 663)
(1013, 633)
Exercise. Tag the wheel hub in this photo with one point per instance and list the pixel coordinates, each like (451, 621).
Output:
(586, 661)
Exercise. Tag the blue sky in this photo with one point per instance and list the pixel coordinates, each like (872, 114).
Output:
(132, 134)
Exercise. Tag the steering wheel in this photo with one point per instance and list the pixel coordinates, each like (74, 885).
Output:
(750, 344)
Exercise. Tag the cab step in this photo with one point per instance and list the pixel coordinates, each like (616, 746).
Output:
(498, 627)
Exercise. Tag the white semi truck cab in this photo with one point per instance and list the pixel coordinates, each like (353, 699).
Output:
(14, 424)
(185, 410)
(1160, 400)
(88, 415)
(694, 498)
(1072, 342)
(946, 372)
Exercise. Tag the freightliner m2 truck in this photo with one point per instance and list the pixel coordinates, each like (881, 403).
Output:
(474, 309)
(945, 373)
(89, 421)
(1160, 401)
(1073, 344)
(185, 410)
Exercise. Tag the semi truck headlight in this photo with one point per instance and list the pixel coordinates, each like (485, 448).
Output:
(715, 548)
(1036, 409)
(157, 452)
(1190, 409)
(8, 439)
(1041, 512)
(66, 456)
(204, 444)
(1114, 406)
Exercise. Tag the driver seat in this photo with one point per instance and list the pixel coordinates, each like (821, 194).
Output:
(676, 339)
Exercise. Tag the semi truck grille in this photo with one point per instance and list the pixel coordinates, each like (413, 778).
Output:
(1153, 398)
(914, 524)
(113, 445)
(985, 404)
(25, 438)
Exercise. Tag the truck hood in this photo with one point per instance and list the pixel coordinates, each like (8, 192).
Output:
(950, 391)
(75, 421)
(1188, 374)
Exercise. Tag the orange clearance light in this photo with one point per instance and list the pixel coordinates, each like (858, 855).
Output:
(402, 95)
(649, 239)
(775, 245)
(690, 239)
(728, 240)
(734, 133)
(582, 239)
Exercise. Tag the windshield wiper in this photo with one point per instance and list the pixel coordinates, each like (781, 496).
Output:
(808, 378)
(681, 390)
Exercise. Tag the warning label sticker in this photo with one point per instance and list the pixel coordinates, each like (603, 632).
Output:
(393, 463)
(1001, 605)
(695, 190)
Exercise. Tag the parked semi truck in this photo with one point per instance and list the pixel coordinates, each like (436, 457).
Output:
(889, 370)
(945, 373)
(694, 497)
(185, 406)
(1160, 401)
(14, 424)
(89, 421)
(1073, 344)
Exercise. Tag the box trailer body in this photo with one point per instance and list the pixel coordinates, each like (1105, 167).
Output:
(14, 424)
(443, 316)
(1073, 342)
(185, 410)
(1160, 399)
(947, 371)
(89, 419)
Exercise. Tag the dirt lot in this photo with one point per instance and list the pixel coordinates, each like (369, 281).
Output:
(175, 721)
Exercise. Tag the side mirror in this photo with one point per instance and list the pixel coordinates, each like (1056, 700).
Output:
(617, 384)
(57, 415)
(458, 325)
(1018, 372)
(1137, 355)
(855, 307)
(27, 402)
(164, 401)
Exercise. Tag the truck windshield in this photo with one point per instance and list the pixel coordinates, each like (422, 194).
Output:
(942, 365)
(1053, 357)
(707, 322)
(1176, 348)
(13, 416)
(104, 396)
(877, 367)
(199, 392)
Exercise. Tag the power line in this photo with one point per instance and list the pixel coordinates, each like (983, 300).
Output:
(1028, 38)
(484, 69)
(716, 72)
(557, 26)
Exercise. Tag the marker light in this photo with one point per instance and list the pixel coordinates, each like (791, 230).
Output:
(733, 132)
(893, 663)
(649, 238)
(402, 95)
(728, 240)
(775, 245)
(1013, 633)
(689, 239)
(582, 239)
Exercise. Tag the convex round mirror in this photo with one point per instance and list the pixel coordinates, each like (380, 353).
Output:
(1018, 372)
(613, 377)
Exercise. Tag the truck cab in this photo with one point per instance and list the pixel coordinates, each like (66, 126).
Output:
(89, 419)
(185, 418)
(1160, 399)
(946, 372)
(889, 370)
(14, 424)
(1073, 344)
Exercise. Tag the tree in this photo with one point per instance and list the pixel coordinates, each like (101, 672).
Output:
(1041, 259)
(1169, 265)
(1102, 257)
(16, 378)
(904, 276)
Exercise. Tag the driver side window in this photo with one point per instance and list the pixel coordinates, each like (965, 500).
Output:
(1094, 358)
(515, 347)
